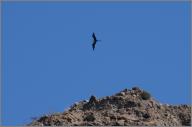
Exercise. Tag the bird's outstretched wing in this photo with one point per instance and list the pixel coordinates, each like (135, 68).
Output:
(94, 37)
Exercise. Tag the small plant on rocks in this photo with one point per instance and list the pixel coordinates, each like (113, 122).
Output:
(145, 95)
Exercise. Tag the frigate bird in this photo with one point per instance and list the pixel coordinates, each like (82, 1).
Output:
(94, 40)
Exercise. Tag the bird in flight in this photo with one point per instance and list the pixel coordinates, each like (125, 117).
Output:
(94, 40)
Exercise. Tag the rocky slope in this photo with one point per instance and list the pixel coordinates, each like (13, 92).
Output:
(133, 107)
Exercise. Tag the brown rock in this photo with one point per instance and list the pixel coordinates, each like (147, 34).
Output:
(127, 108)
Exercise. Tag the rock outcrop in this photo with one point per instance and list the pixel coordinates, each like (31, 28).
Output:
(133, 107)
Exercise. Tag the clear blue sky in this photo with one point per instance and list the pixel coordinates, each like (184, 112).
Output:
(48, 62)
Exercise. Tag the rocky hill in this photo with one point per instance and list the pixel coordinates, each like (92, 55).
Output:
(133, 107)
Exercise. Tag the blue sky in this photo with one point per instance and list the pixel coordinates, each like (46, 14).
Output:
(48, 62)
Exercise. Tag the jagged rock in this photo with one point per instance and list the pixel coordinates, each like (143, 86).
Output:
(126, 108)
(92, 99)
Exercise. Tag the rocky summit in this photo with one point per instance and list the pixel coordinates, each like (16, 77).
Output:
(134, 107)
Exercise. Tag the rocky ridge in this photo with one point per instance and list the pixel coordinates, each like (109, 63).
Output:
(133, 107)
